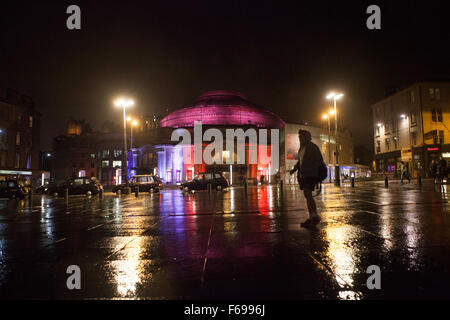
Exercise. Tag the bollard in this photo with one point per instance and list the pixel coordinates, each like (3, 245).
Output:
(353, 182)
(281, 184)
(386, 182)
(209, 190)
(420, 180)
(136, 192)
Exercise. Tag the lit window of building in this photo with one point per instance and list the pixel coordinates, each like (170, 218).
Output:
(105, 153)
(18, 139)
(117, 163)
(17, 162)
(30, 121)
(105, 163)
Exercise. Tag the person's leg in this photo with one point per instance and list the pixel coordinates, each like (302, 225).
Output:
(312, 209)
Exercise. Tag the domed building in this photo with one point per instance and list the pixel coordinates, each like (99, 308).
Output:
(221, 110)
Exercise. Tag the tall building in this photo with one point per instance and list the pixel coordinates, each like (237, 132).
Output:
(412, 126)
(75, 153)
(19, 137)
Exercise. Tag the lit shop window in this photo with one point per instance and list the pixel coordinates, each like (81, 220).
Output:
(30, 121)
(117, 163)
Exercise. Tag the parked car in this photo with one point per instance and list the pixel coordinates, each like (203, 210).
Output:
(75, 186)
(146, 183)
(201, 181)
(13, 189)
(54, 187)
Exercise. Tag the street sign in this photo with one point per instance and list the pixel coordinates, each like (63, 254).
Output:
(406, 154)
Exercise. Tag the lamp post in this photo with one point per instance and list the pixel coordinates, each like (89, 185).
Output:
(325, 116)
(335, 97)
(124, 103)
(133, 124)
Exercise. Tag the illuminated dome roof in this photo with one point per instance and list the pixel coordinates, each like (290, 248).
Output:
(222, 108)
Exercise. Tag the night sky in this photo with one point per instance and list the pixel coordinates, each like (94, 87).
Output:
(285, 56)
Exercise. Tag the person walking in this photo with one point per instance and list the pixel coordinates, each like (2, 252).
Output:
(404, 172)
(307, 168)
(434, 170)
(442, 168)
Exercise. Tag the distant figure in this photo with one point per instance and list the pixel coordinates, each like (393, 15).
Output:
(307, 167)
(404, 172)
(262, 179)
(434, 170)
(442, 169)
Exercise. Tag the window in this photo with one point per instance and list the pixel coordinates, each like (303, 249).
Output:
(378, 131)
(431, 93)
(436, 115)
(30, 121)
(28, 161)
(441, 137)
(92, 164)
(413, 119)
(387, 143)
(386, 128)
(3, 159)
(437, 93)
(413, 138)
(17, 162)
(18, 139)
(435, 138)
(105, 163)
(105, 153)
(78, 181)
(117, 163)
(412, 97)
(3, 136)
(378, 147)
(117, 153)
(93, 155)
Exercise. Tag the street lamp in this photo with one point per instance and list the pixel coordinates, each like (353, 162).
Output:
(326, 117)
(124, 103)
(133, 124)
(335, 97)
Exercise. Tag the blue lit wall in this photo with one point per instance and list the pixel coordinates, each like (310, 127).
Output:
(170, 163)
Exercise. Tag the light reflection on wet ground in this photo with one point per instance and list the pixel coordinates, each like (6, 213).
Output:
(174, 245)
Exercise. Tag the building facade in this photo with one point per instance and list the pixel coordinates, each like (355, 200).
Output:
(19, 137)
(220, 110)
(412, 126)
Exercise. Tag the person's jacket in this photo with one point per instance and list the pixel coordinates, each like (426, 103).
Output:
(312, 159)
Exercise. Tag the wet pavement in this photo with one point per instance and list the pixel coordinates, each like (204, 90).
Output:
(173, 245)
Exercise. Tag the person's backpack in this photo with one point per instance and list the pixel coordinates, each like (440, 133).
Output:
(323, 172)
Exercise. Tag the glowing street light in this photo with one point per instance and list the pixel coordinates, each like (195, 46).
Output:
(335, 97)
(124, 103)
